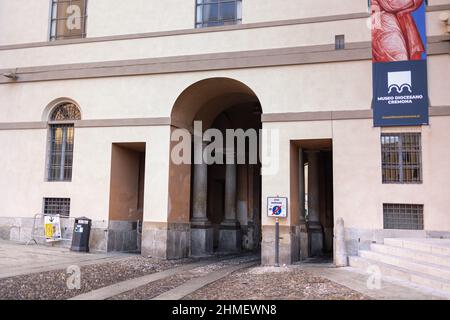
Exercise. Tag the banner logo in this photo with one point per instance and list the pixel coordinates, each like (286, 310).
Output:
(399, 80)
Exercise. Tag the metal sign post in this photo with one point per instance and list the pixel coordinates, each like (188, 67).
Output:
(277, 242)
(277, 207)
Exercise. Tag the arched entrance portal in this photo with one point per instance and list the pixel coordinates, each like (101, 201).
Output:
(222, 197)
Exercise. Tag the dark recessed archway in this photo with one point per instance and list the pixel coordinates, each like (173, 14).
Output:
(219, 103)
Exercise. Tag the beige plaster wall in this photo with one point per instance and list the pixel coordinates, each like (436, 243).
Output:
(269, 10)
(279, 181)
(188, 44)
(24, 181)
(24, 21)
(358, 190)
(116, 17)
(28, 21)
(301, 88)
(362, 207)
(280, 89)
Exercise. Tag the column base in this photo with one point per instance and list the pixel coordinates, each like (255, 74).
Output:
(328, 239)
(165, 240)
(315, 235)
(230, 236)
(304, 241)
(249, 243)
(122, 236)
(201, 238)
(288, 249)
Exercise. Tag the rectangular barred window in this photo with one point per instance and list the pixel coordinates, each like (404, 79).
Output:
(60, 152)
(212, 13)
(68, 20)
(401, 155)
(59, 206)
(403, 216)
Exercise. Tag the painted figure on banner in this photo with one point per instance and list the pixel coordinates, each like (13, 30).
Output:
(395, 31)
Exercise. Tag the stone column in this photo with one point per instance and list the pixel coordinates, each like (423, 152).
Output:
(304, 243)
(230, 232)
(315, 231)
(340, 251)
(250, 245)
(201, 228)
(242, 202)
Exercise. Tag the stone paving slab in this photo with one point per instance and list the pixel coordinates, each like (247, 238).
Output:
(19, 259)
(198, 283)
(355, 279)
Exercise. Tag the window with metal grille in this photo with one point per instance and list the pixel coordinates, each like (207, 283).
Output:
(61, 140)
(212, 13)
(339, 42)
(59, 206)
(68, 20)
(401, 156)
(403, 216)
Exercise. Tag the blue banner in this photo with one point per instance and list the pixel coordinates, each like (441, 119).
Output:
(400, 88)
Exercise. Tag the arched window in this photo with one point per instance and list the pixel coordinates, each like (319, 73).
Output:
(65, 112)
(61, 139)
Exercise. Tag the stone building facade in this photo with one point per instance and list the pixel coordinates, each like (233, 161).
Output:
(93, 92)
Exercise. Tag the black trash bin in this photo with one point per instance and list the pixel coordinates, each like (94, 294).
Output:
(81, 232)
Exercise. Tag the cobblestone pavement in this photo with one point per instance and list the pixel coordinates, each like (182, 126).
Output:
(267, 283)
(253, 283)
(52, 284)
(156, 288)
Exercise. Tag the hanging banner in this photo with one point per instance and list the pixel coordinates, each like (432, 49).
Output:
(400, 88)
(52, 226)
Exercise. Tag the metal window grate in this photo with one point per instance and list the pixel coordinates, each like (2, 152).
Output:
(401, 156)
(65, 112)
(68, 19)
(60, 152)
(59, 206)
(339, 42)
(403, 216)
(210, 13)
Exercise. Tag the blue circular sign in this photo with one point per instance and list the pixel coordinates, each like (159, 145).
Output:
(276, 210)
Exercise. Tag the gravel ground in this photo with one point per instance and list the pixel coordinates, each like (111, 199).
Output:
(52, 285)
(255, 283)
(156, 288)
(268, 283)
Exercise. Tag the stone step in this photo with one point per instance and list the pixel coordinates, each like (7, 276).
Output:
(408, 264)
(435, 246)
(438, 259)
(388, 270)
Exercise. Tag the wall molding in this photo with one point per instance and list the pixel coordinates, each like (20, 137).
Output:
(245, 26)
(133, 122)
(23, 125)
(97, 123)
(208, 62)
(438, 7)
(436, 111)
